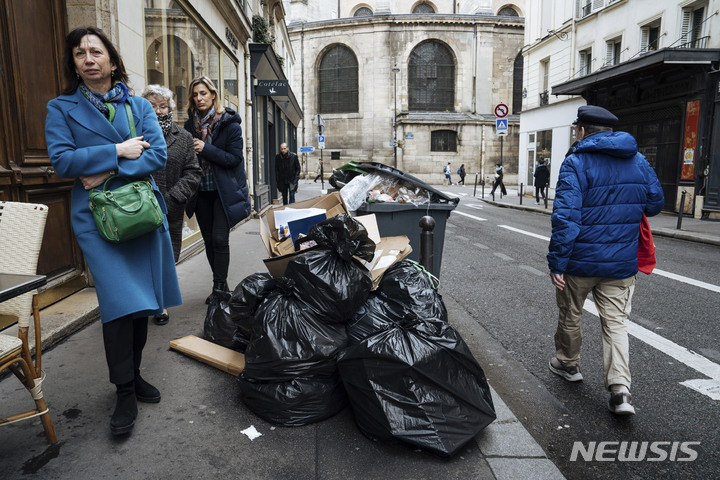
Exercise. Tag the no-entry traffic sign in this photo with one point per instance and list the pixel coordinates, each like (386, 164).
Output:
(501, 110)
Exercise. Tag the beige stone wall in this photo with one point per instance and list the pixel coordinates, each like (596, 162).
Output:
(484, 50)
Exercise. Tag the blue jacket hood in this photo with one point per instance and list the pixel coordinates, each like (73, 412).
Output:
(614, 144)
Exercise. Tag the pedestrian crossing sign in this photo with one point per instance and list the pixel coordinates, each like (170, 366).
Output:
(501, 126)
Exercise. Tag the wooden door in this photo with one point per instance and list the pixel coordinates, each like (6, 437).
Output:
(31, 41)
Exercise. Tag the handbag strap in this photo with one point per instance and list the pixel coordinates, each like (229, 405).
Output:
(131, 120)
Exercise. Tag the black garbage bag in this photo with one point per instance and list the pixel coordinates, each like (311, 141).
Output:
(340, 178)
(330, 279)
(406, 291)
(245, 299)
(290, 376)
(219, 327)
(418, 383)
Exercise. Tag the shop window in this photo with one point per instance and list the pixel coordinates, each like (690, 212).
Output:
(543, 147)
(443, 141)
(338, 75)
(431, 78)
(178, 51)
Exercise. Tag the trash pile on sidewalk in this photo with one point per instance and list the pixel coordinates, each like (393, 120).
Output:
(342, 316)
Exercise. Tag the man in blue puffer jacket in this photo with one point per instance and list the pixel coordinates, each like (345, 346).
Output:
(603, 189)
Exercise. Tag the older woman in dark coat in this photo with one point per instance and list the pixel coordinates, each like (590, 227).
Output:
(179, 180)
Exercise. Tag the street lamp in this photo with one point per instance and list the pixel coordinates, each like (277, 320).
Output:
(395, 70)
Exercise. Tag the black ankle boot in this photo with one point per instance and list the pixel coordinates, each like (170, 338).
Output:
(123, 418)
(217, 287)
(145, 392)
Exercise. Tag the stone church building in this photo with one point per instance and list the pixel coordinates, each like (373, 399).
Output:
(413, 84)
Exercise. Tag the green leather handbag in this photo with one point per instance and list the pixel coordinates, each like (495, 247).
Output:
(126, 212)
(129, 211)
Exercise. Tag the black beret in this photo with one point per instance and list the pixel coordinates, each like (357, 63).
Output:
(594, 115)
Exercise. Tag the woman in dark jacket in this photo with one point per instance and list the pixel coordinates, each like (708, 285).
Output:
(179, 180)
(222, 198)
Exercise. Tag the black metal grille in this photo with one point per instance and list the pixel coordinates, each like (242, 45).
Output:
(431, 78)
(423, 8)
(363, 12)
(443, 141)
(338, 81)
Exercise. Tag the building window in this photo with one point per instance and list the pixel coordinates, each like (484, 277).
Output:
(517, 94)
(650, 37)
(692, 28)
(544, 82)
(583, 8)
(613, 48)
(431, 78)
(338, 81)
(363, 12)
(507, 12)
(543, 148)
(585, 62)
(443, 141)
(423, 8)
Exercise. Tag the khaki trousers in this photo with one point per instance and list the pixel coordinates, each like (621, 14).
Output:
(613, 300)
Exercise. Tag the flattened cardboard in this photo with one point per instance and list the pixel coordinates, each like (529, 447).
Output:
(210, 353)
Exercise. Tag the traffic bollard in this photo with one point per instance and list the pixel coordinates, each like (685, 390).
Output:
(547, 193)
(427, 256)
(682, 208)
(475, 188)
(521, 192)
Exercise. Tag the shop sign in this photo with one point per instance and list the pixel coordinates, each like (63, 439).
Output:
(272, 88)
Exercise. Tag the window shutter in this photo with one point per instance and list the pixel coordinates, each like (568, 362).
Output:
(609, 53)
(598, 4)
(644, 39)
(685, 27)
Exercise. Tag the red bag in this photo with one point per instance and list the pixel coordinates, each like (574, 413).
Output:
(646, 248)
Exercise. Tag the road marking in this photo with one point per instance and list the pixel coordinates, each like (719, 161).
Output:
(474, 205)
(502, 256)
(513, 229)
(689, 281)
(533, 270)
(481, 246)
(697, 362)
(470, 216)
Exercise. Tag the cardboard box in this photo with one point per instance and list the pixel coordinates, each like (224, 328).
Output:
(210, 353)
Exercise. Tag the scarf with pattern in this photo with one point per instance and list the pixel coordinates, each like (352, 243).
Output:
(165, 122)
(107, 103)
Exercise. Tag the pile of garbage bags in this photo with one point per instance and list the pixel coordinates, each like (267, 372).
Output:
(319, 337)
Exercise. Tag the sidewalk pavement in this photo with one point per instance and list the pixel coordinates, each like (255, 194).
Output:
(662, 225)
(504, 450)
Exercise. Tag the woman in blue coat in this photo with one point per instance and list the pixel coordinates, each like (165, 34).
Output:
(222, 199)
(88, 137)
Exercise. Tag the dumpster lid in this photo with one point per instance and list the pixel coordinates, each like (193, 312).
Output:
(376, 167)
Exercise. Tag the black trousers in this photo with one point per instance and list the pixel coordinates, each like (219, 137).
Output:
(539, 191)
(124, 340)
(215, 231)
(498, 183)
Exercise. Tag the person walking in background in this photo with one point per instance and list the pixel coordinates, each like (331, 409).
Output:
(542, 177)
(88, 135)
(222, 199)
(179, 180)
(319, 169)
(287, 173)
(498, 180)
(461, 172)
(604, 188)
(447, 171)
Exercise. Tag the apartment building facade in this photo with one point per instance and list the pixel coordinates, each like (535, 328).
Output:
(653, 63)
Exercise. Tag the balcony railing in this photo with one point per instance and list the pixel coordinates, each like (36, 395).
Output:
(586, 10)
(544, 98)
(696, 43)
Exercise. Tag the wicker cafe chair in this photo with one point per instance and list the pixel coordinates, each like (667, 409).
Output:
(22, 226)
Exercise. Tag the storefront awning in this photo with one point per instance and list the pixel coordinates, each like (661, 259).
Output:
(264, 66)
(666, 56)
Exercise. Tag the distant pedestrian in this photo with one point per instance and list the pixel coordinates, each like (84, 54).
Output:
(461, 172)
(542, 176)
(447, 171)
(287, 173)
(319, 169)
(603, 189)
(498, 180)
